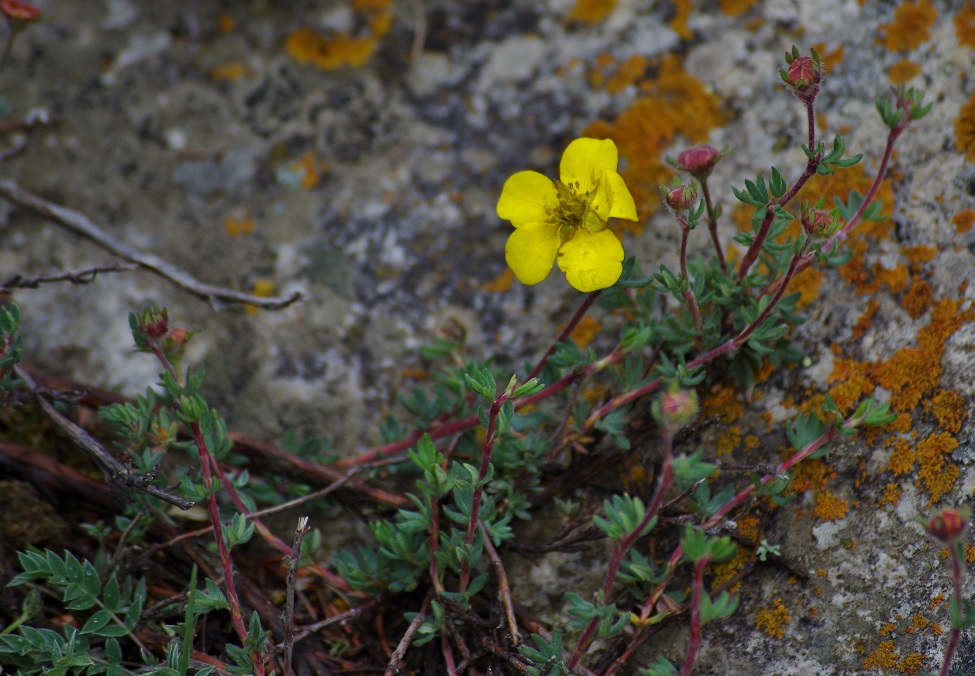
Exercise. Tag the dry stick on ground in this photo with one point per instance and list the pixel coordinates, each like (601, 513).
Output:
(289, 609)
(115, 472)
(81, 225)
(85, 276)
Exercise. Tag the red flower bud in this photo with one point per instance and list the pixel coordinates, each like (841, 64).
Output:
(676, 407)
(19, 11)
(949, 525)
(803, 73)
(154, 321)
(679, 197)
(699, 159)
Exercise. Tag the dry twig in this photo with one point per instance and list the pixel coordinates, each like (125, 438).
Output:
(82, 226)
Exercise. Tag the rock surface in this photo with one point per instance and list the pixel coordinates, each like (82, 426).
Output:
(191, 132)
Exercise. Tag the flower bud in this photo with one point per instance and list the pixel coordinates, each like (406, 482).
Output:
(676, 407)
(803, 75)
(949, 524)
(698, 160)
(817, 222)
(154, 321)
(15, 10)
(680, 197)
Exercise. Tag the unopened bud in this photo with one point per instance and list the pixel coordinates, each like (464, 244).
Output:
(16, 10)
(680, 197)
(803, 75)
(154, 321)
(817, 222)
(950, 524)
(676, 407)
(698, 160)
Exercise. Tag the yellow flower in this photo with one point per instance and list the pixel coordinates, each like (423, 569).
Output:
(565, 220)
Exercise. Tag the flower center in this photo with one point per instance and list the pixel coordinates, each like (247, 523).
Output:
(574, 211)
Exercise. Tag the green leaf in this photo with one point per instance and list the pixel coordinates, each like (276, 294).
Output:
(96, 622)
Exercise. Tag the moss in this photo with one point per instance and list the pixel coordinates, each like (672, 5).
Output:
(965, 25)
(773, 620)
(910, 27)
(965, 130)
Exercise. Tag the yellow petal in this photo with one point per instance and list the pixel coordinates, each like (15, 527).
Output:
(592, 261)
(531, 251)
(585, 160)
(621, 204)
(525, 196)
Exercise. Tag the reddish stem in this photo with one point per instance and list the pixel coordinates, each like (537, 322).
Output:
(811, 165)
(713, 226)
(697, 588)
(566, 331)
(954, 637)
(624, 545)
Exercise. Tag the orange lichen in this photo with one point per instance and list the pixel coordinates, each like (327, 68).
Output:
(948, 408)
(723, 402)
(937, 475)
(807, 283)
(592, 11)
(678, 24)
(585, 331)
(852, 384)
(970, 552)
(884, 657)
(963, 221)
(226, 22)
(735, 7)
(628, 73)
(965, 130)
(913, 372)
(892, 495)
(311, 170)
(866, 319)
(965, 25)
(230, 72)
(911, 664)
(811, 474)
(238, 223)
(674, 103)
(903, 72)
(910, 27)
(309, 48)
(888, 629)
(918, 298)
(500, 283)
(773, 620)
(728, 441)
(917, 256)
(901, 458)
(831, 508)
